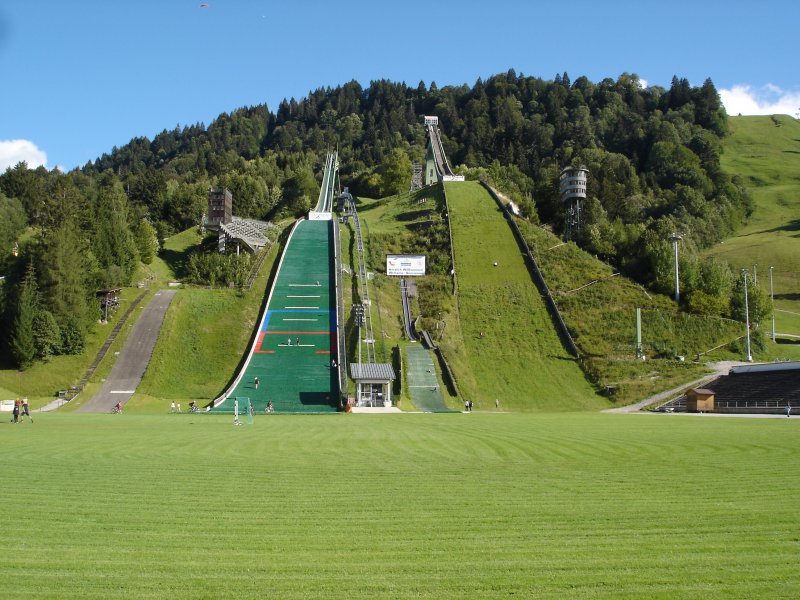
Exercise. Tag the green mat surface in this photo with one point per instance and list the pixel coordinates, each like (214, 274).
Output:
(422, 382)
(296, 341)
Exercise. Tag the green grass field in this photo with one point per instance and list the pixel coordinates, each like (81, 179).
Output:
(519, 359)
(412, 506)
(767, 157)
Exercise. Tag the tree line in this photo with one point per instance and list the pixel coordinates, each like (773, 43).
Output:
(653, 156)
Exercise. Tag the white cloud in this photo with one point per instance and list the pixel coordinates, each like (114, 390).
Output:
(644, 83)
(14, 151)
(767, 100)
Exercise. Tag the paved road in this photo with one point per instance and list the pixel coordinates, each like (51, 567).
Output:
(133, 358)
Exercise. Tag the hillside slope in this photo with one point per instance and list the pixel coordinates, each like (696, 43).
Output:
(511, 351)
(765, 152)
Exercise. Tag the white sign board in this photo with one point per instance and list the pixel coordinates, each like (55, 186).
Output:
(405, 265)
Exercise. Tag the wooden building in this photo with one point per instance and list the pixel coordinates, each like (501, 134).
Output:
(700, 400)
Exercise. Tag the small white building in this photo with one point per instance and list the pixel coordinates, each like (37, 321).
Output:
(373, 383)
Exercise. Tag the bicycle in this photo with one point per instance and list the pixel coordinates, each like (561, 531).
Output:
(116, 410)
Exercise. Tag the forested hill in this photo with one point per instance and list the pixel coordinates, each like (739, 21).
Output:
(653, 154)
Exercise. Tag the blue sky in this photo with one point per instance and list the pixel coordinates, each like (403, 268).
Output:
(81, 76)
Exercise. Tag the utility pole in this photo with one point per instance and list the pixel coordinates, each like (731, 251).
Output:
(747, 317)
(675, 237)
(772, 302)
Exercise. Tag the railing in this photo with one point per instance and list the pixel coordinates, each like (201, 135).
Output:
(340, 320)
(411, 333)
(369, 338)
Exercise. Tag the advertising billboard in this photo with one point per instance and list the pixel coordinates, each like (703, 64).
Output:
(405, 265)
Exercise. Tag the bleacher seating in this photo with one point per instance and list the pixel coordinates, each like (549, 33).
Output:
(751, 392)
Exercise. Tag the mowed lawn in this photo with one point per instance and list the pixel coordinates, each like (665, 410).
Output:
(511, 349)
(474, 505)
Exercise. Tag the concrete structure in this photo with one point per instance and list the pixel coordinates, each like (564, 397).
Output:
(700, 400)
(436, 166)
(572, 184)
(373, 383)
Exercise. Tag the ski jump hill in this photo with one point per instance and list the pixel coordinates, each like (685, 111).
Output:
(294, 354)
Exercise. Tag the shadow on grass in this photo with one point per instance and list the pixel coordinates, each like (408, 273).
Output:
(176, 260)
(790, 226)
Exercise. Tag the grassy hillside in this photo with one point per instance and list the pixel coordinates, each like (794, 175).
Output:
(449, 506)
(510, 348)
(203, 339)
(765, 152)
(599, 307)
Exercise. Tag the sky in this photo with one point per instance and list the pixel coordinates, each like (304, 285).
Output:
(79, 77)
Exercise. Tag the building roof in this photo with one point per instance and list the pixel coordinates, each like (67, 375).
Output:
(379, 371)
(703, 391)
(251, 232)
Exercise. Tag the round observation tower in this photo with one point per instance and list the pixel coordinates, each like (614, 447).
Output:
(572, 184)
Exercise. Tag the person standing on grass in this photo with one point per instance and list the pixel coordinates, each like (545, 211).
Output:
(788, 410)
(15, 415)
(172, 407)
(25, 410)
(179, 407)
(255, 381)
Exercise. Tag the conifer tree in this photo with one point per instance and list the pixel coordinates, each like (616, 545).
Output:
(23, 343)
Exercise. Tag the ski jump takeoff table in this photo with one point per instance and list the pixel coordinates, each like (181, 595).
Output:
(295, 349)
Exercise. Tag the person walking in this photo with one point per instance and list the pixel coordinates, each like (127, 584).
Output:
(297, 341)
(179, 407)
(25, 410)
(172, 407)
(15, 415)
(255, 381)
(788, 410)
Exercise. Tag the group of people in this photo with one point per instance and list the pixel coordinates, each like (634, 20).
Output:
(467, 405)
(175, 408)
(21, 410)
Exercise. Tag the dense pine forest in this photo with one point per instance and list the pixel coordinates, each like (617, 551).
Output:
(653, 155)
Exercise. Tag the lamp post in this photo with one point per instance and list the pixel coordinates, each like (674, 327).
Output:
(772, 303)
(747, 317)
(675, 237)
